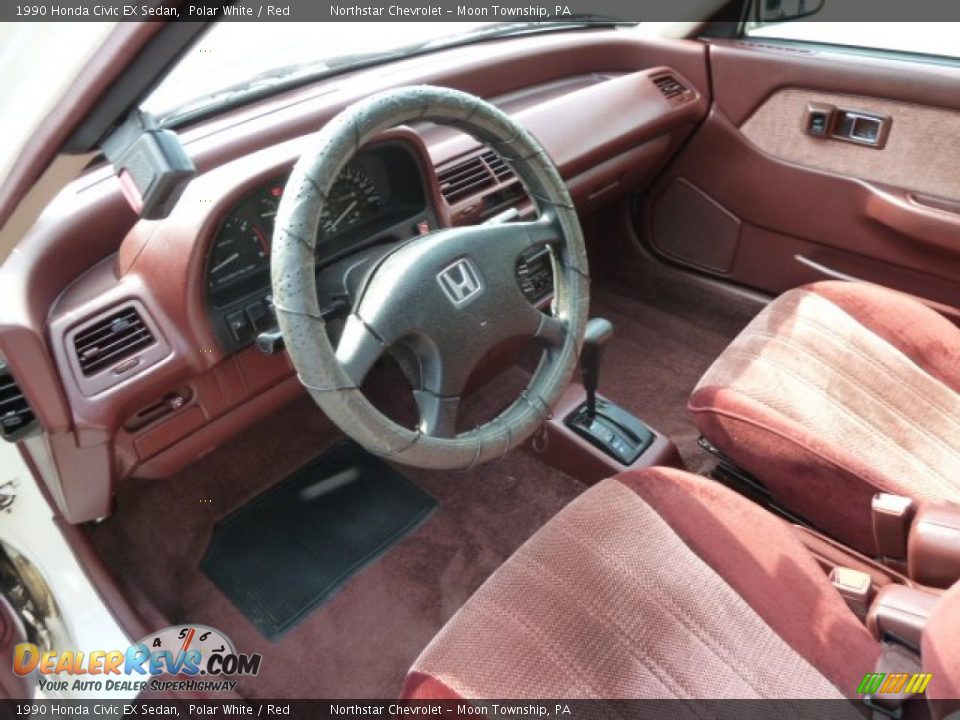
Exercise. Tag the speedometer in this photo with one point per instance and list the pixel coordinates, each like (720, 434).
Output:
(240, 250)
(354, 199)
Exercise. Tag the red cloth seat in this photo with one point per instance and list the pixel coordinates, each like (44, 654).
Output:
(835, 392)
(654, 584)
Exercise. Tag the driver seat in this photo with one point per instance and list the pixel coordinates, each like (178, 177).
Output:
(660, 584)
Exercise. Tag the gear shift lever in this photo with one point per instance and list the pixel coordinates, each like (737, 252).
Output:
(602, 423)
(598, 333)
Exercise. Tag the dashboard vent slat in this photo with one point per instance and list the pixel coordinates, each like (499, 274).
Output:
(474, 175)
(670, 86)
(464, 179)
(110, 340)
(461, 174)
(498, 165)
(16, 416)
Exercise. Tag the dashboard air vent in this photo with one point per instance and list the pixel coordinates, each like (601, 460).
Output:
(16, 416)
(670, 86)
(473, 176)
(111, 339)
(498, 166)
(464, 179)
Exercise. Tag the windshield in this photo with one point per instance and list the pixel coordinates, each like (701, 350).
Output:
(235, 60)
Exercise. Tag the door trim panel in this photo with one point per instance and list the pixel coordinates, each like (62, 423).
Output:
(894, 224)
(922, 152)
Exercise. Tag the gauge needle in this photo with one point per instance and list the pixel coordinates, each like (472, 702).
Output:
(351, 206)
(220, 265)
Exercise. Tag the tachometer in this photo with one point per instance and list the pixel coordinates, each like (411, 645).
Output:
(241, 249)
(354, 199)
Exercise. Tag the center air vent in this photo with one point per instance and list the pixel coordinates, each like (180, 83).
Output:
(672, 89)
(464, 179)
(110, 340)
(16, 417)
(498, 166)
(473, 176)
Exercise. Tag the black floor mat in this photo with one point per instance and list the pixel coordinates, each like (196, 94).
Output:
(282, 554)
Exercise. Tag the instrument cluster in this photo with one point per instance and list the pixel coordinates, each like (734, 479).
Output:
(379, 199)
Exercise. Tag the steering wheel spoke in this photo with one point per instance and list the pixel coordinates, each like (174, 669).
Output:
(438, 414)
(359, 348)
(551, 331)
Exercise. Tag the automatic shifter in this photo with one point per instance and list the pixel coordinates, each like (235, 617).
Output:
(598, 333)
(607, 426)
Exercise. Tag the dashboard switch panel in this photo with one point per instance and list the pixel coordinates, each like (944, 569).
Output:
(258, 316)
(535, 276)
(239, 326)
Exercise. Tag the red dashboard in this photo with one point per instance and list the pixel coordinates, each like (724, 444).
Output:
(180, 381)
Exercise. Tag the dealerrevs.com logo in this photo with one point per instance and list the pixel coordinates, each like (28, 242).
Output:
(187, 657)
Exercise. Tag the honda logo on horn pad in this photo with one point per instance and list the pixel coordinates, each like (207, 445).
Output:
(460, 282)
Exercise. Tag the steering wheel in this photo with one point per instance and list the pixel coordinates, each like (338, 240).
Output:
(450, 295)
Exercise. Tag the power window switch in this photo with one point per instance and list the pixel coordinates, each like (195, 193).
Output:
(818, 119)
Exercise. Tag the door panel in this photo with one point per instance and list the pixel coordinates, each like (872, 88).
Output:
(922, 151)
(804, 208)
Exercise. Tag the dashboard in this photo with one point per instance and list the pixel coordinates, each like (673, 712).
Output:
(130, 341)
(378, 200)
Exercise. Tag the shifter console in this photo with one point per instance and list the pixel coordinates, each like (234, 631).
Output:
(607, 426)
(612, 429)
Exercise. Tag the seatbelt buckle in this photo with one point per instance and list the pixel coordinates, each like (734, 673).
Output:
(855, 587)
(892, 516)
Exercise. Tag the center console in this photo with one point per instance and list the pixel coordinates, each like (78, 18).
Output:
(608, 427)
(611, 429)
(591, 437)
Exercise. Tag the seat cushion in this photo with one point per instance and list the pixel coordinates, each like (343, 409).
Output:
(837, 391)
(656, 584)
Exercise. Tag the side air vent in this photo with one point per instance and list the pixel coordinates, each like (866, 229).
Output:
(672, 89)
(110, 340)
(16, 417)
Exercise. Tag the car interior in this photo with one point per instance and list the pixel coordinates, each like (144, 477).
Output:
(557, 365)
